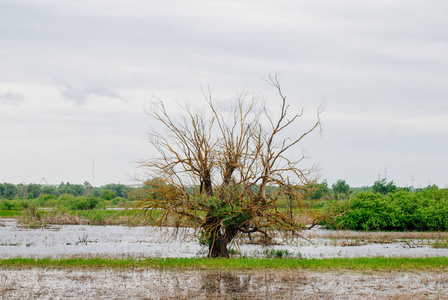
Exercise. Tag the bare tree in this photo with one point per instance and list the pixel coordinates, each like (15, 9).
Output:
(227, 172)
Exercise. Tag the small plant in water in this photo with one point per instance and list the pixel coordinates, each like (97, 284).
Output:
(83, 240)
(233, 252)
(440, 244)
(279, 253)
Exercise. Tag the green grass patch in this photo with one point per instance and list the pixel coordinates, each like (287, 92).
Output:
(10, 213)
(355, 264)
(443, 245)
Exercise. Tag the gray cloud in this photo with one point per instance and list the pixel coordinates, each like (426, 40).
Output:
(380, 65)
(11, 98)
(79, 95)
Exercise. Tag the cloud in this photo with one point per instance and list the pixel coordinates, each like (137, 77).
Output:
(11, 98)
(380, 65)
(79, 95)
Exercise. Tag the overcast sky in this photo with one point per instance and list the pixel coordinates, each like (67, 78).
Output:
(75, 77)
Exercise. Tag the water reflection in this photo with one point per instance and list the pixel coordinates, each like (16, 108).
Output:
(225, 283)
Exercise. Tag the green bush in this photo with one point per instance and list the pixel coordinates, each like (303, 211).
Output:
(83, 203)
(426, 211)
(66, 200)
(108, 194)
(117, 201)
(80, 202)
(47, 200)
(13, 204)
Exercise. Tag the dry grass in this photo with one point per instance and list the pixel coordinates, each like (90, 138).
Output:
(62, 218)
(360, 238)
(378, 237)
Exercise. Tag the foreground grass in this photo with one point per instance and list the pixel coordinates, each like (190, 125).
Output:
(356, 264)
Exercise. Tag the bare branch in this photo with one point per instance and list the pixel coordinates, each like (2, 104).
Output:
(227, 172)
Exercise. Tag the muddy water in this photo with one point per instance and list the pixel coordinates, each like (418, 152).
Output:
(153, 284)
(121, 241)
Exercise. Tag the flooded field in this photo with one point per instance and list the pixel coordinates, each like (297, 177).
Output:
(273, 284)
(141, 242)
(121, 241)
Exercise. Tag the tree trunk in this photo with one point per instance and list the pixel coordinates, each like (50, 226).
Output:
(219, 247)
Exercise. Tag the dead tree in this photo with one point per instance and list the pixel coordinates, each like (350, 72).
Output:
(227, 173)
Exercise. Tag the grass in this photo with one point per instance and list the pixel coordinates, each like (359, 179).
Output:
(443, 245)
(10, 213)
(355, 264)
(358, 238)
(386, 236)
(33, 218)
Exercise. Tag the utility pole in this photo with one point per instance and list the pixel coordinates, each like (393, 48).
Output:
(412, 180)
(93, 172)
(385, 172)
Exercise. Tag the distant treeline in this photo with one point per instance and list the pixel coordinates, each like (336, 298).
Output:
(340, 190)
(33, 190)
(316, 191)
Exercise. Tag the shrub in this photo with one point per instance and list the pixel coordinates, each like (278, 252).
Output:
(46, 200)
(85, 203)
(118, 201)
(80, 202)
(403, 210)
(108, 194)
(13, 204)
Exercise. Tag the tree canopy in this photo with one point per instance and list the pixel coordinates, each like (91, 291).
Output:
(384, 187)
(340, 187)
(227, 172)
